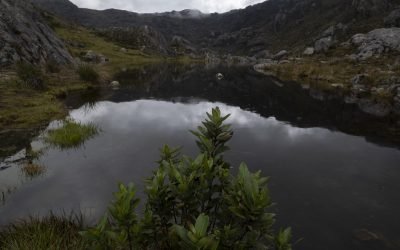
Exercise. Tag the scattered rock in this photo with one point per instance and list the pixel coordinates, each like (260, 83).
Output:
(280, 55)
(93, 57)
(309, 51)
(360, 79)
(284, 62)
(329, 32)
(337, 85)
(114, 84)
(323, 44)
(358, 39)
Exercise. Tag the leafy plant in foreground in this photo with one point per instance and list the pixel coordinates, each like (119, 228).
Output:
(194, 203)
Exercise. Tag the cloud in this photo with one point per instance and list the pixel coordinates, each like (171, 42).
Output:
(150, 6)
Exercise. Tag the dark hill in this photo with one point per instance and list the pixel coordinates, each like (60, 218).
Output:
(273, 25)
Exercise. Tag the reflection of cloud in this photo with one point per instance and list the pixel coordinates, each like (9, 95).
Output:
(150, 6)
(160, 115)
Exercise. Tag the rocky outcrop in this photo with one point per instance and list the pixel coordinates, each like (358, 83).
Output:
(181, 46)
(24, 36)
(323, 44)
(376, 42)
(142, 38)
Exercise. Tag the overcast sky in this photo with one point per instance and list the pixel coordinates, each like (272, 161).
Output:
(150, 6)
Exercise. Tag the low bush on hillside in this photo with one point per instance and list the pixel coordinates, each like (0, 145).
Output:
(31, 76)
(88, 73)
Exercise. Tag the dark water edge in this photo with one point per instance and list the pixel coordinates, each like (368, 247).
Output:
(336, 185)
(247, 89)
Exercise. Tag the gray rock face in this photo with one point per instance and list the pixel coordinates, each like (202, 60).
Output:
(393, 19)
(376, 42)
(24, 36)
(323, 44)
(142, 38)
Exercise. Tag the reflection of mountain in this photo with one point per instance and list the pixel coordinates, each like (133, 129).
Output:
(255, 92)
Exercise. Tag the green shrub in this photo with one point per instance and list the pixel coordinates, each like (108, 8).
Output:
(71, 134)
(194, 203)
(88, 73)
(31, 75)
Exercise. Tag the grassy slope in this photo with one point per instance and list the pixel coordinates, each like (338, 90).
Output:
(24, 108)
(329, 71)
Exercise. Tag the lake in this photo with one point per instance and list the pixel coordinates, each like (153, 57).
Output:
(334, 170)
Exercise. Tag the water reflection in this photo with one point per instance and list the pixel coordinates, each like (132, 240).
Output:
(320, 178)
(332, 187)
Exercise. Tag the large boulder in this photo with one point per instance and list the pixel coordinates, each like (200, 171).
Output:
(393, 19)
(24, 36)
(281, 55)
(376, 42)
(309, 51)
(323, 44)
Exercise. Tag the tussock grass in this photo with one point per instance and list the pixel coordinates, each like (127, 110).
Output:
(87, 73)
(71, 135)
(31, 76)
(32, 170)
(52, 232)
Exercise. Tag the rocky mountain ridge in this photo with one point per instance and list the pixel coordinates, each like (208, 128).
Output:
(272, 25)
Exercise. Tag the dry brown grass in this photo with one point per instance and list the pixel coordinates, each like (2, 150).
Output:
(33, 170)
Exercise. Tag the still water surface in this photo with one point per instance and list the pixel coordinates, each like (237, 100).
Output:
(334, 179)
